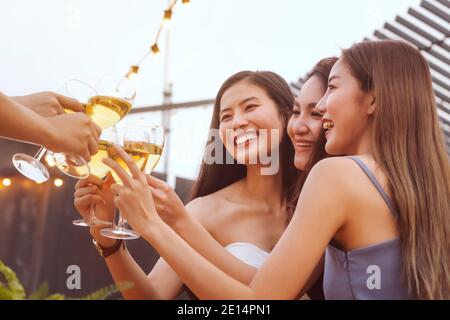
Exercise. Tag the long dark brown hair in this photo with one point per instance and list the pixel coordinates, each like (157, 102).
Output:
(409, 147)
(321, 71)
(216, 176)
(210, 177)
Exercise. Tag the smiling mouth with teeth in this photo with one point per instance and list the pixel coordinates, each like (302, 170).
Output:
(243, 139)
(304, 144)
(328, 125)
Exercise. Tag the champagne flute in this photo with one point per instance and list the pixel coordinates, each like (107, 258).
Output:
(144, 144)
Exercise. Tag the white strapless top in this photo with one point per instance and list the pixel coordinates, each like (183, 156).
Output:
(248, 252)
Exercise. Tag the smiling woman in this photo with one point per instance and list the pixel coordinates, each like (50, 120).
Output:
(382, 215)
(244, 210)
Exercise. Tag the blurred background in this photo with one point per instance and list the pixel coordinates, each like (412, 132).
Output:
(45, 43)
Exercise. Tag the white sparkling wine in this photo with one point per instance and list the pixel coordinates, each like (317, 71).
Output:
(106, 111)
(145, 155)
(97, 167)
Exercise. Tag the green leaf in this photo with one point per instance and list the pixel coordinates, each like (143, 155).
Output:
(5, 293)
(41, 293)
(105, 292)
(56, 296)
(12, 289)
(17, 292)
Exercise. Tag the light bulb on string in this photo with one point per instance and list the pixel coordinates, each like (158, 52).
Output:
(186, 6)
(131, 75)
(58, 182)
(6, 182)
(155, 49)
(167, 18)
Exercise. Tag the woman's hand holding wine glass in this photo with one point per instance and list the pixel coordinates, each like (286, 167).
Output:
(143, 145)
(95, 191)
(49, 104)
(80, 135)
(134, 196)
(107, 104)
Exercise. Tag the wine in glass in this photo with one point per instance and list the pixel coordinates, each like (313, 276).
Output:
(110, 101)
(144, 144)
(100, 170)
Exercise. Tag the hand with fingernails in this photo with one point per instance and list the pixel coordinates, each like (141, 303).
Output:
(134, 197)
(94, 190)
(168, 205)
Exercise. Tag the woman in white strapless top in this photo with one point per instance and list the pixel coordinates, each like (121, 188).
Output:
(248, 253)
(243, 207)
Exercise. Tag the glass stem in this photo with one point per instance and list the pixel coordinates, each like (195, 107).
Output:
(38, 156)
(92, 212)
(121, 222)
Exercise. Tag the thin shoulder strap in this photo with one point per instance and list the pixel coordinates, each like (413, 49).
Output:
(375, 182)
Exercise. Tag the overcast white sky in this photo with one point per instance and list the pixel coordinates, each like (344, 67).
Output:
(46, 42)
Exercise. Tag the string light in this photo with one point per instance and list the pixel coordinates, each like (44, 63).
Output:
(167, 18)
(6, 182)
(167, 15)
(133, 72)
(58, 182)
(154, 49)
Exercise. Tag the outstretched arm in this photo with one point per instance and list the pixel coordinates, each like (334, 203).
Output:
(290, 264)
(49, 104)
(161, 283)
(191, 224)
(71, 133)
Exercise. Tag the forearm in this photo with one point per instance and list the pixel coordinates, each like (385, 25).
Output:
(124, 269)
(192, 231)
(20, 123)
(184, 259)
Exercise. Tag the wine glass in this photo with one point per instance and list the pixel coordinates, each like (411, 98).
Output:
(111, 100)
(32, 167)
(100, 170)
(144, 144)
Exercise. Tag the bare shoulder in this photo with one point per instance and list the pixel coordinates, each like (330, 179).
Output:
(208, 207)
(335, 169)
(328, 196)
(339, 178)
(344, 180)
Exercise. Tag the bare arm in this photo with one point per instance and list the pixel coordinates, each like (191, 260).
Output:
(74, 133)
(21, 123)
(191, 223)
(161, 283)
(197, 236)
(49, 104)
(201, 240)
(290, 264)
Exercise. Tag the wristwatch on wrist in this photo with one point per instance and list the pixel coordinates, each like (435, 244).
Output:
(106, 252)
